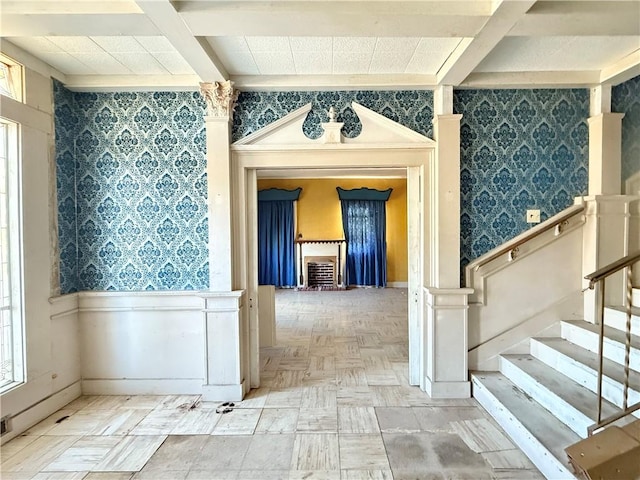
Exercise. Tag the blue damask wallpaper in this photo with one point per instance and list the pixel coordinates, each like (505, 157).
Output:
(625, 98)
(140, 190)
(254, 110)
(520, 149)
(132, 181)
(66, 122)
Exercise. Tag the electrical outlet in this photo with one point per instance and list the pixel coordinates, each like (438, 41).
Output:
(533, 216)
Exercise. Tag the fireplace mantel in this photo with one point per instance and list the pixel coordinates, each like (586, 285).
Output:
(320, 241)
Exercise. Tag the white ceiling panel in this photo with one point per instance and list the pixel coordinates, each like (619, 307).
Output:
(396, 44)
(36, 45)
(239, 63)
(229, 44)
(173, 62)
(140, 63)
(430, 54)
(66, 63)
(76, 44)
(275, 63)
(155, 44)
(354, 44)
(313, 63)
(351, 62)
(524, 54)
(311, 44)
(268, 44)
(102, 63)
(119, 44)
(389, 62)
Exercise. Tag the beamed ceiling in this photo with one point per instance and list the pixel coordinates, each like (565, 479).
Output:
(316, 44)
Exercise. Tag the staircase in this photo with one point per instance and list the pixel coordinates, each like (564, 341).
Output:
(545, 399)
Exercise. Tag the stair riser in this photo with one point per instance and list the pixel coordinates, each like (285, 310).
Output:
(532, 448)
(589, 340)
(618, 320)
(565, 412)
(586, 376)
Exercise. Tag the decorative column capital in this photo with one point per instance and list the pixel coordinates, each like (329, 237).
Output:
(220, 98)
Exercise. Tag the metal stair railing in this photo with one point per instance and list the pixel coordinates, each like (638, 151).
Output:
(597, 281)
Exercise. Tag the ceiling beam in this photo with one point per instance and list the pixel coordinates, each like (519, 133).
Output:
(334, 82)
(622, 70)
(68, 7)
(470, 52)
(326, 19)
(579, 18)
(123, 83)
(45, 25)
(564, 79)
(197, 52)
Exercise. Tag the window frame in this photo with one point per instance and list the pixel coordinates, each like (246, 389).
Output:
(15, 78)
(15, 339)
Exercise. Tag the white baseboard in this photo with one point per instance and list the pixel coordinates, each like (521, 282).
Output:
(223, 393)
(190, 386)
(437, 389)
(398, 284)
(41, 410)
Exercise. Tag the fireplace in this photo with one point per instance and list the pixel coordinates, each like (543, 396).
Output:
(320, 263)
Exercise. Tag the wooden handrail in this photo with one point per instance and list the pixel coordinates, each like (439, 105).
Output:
(613, 267)
(524, 237)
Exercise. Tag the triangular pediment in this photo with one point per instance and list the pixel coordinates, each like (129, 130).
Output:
(376, 130)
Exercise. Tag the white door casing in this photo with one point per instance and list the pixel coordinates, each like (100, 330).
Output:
(382, 143)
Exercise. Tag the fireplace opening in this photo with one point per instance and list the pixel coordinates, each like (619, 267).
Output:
(321, 271)
(321, 274)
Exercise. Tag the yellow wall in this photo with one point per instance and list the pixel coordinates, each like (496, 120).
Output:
(319, 215)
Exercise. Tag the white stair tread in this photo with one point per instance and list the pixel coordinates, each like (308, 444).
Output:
(609, 332)
(550, 432)
(588, 358)
(571, 393)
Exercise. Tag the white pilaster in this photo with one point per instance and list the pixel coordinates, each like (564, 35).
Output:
(611, 231)
(220, 99)
(224, 315)
(446, 202)
(445, 339)
(600, 100)
(224, 380)
(605, 144)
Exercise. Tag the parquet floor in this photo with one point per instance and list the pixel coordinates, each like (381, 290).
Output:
(335, 403)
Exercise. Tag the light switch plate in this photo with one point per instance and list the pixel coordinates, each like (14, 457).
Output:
(533, 216)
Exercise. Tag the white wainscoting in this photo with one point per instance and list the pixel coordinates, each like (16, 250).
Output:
(514, 299)
(141, 342)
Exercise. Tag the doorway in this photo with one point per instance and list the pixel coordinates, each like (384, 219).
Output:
(383, 144)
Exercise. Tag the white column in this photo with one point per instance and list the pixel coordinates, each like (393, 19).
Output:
(224, 308)
(446, 304)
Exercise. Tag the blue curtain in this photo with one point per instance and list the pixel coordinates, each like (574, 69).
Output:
(364, 223)
(276, 242)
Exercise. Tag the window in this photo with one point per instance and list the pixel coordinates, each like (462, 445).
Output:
(11, 337)
(10, 78)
